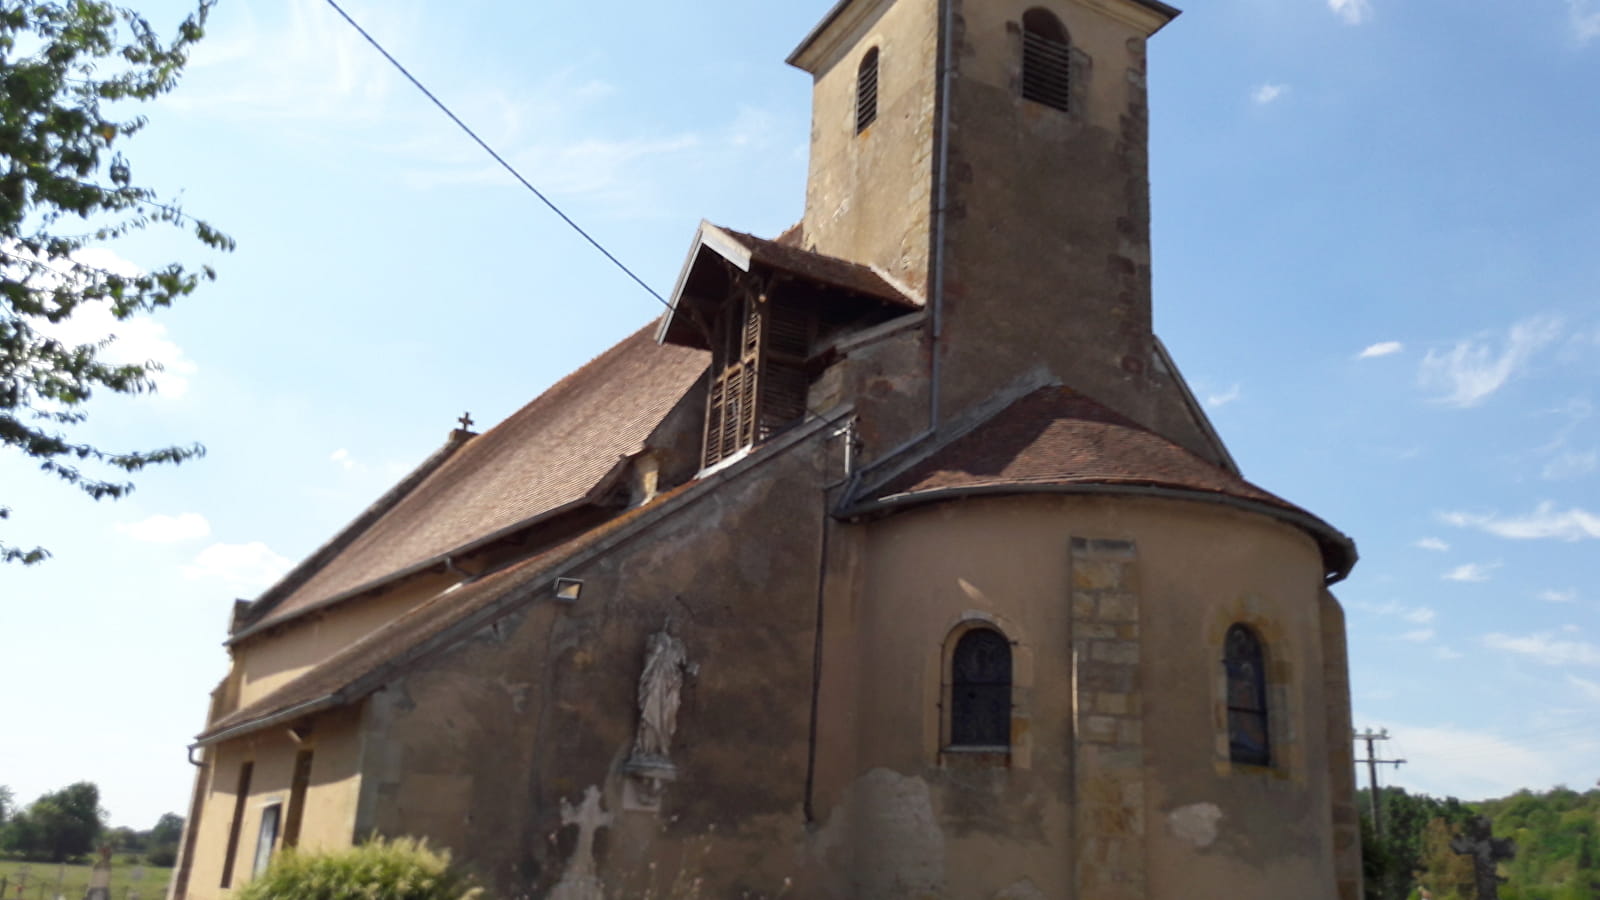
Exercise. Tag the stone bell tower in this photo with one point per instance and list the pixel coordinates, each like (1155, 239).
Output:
(993, 154)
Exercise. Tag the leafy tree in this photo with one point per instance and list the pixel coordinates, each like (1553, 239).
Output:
(68, 70)
(1390, 863)
(57, 826)
(163, 840)
(1446, 874)
(7, 804)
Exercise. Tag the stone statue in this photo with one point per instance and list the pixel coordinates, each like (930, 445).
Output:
(1487, 851)
(650, 766)
(660, 692)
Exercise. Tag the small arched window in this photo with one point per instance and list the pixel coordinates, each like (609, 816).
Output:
(1046, 60)
(867, 91)
(980, 690)
(1248, 740)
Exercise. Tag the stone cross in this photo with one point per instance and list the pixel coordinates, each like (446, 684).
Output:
(1486, 850)
(466, 421)
(579, 881)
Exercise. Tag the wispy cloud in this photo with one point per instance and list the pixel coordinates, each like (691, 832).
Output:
(1471, 572)
(1451, 760)
(1445, 653)
(240, 567)
(1544, 523)
(1545, 647)
(1384, 348)
(1585, 18)
(1419, 636)
(1432, 543)
(1566, 596)
(1586, 687)
(1472, 370)
(1353, 12)
(1223, 398)
(167, 529)
(1570, 464)
(1269, 93)
(1422, 615)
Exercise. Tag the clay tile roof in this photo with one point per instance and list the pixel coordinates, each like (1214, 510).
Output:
(366, 664)
(1057, 437)
(555, 452)
(829, 270)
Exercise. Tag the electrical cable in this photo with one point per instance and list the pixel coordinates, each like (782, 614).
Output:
(497, 157)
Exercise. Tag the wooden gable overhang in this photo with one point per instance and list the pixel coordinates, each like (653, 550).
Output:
(763, 309)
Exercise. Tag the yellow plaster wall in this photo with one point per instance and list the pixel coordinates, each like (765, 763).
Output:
(1007, 561)
(269, 661)
(328, 820)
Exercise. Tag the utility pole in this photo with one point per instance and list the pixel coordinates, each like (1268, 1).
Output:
(1372, 762)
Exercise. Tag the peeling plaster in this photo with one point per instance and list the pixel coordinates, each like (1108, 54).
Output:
(1195, 824)
(883, 841)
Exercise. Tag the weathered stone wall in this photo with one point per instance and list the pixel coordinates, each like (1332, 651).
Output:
(868, 195)
(1346, 834)
(541, 705)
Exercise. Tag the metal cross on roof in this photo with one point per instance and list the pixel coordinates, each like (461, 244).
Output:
(466, 421)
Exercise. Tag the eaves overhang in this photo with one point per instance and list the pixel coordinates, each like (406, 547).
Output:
(1338, 550)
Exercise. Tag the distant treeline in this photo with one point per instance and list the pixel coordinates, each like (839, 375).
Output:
(69, 825)
(1557, 837)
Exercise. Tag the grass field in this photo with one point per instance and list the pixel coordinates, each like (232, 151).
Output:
(39, 881)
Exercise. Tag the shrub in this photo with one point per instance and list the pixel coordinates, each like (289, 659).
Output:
(399, 869)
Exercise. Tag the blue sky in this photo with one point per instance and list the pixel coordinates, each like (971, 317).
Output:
(1376, 261)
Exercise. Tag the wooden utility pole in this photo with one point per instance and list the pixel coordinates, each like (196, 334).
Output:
(1372, 761)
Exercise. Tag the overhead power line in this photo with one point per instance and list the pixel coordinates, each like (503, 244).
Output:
(497, 157)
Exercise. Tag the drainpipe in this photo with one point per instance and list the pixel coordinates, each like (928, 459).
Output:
(941, 203)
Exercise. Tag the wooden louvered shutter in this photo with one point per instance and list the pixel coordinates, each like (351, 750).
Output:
(783, 367)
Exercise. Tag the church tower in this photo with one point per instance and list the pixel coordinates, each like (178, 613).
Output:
(994, 157)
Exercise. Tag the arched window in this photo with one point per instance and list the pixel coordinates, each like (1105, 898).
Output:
(980, 690)
(867, 91)
(1046, 60)
(1248, 740)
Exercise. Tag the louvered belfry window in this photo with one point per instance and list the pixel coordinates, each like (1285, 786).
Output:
(1248, 739)
(980, 690)
(1046, 60)
(760, 385)
(867, 91)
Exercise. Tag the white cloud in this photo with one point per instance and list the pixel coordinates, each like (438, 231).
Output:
(1566, 596)
(1219, 400)
(1471, 572)
(137, 340)
(1432, 543)
(341, 456)
(1269, 93)
(1472, 370)
(1544, 523)
(1445, 653)
(1385, 348)
(1353, 12)
(1546, 648)
(240, 566)
(167, 529)
(1422, 615)
(1571, 464)
(1419, 636)
(1585, 19)
(1452, 760)
(1589, 688)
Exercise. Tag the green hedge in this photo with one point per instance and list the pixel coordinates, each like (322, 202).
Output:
(399, 869)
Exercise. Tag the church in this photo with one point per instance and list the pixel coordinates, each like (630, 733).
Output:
(894, 560)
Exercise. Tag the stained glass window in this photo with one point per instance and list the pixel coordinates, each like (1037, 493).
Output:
(1248, 740)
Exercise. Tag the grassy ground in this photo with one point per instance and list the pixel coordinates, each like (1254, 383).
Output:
(41, 880)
